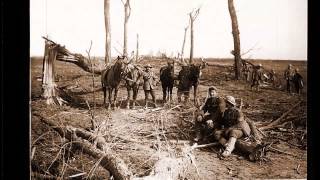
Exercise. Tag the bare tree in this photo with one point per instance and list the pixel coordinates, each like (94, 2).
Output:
(236, 40)
(127, 12)
(192, 16)
(108, 31)
(137, 48)
(183, 44)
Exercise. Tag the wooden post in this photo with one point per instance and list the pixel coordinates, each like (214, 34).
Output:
(183, 44)
(137, 50)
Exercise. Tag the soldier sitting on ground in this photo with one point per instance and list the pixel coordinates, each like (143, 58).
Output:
(257, 76)
(214, 106)
(233, 126)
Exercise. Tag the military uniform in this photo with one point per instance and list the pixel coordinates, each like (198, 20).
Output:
(298, 82)
(257, 75)
(150, 83)
(288, 75)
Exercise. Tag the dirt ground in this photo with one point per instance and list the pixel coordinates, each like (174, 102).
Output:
(139, 135)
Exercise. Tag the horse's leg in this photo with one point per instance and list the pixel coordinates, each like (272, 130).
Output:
(128, 98)
(104, 89)
(109, 97)
(170, 92)
(115, 97)
(164, 93)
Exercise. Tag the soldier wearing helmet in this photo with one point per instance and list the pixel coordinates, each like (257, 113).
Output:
(211, 111)
(231, 127)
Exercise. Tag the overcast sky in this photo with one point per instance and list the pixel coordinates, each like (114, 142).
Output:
(274, 29)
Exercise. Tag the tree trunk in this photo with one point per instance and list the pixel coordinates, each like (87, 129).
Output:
(48, 75)
(108, 33)
(236, 40)
(109, 160)
(183, 44)
(125, 34)
(137, 50)
(191, 39)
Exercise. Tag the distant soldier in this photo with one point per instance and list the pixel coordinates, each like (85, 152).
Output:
(298, 81)
(257, 76)
(245, 71)
(150, 83)
(272, 77)
(288, 75)
(210, 112)
(233, 126)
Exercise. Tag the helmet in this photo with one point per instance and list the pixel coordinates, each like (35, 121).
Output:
(212, 88)
(260, 65)
(231, 100)
(148, 66)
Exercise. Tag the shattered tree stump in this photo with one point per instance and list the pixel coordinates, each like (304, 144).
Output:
(49, 87)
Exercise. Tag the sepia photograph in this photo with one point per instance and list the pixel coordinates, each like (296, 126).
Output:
(168, 89)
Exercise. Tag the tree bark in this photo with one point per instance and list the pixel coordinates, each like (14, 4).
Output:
(193, 16)
(49, 87)
(127, 11)
(109, 160)
(236, 39)
(137, 48)
(183, 43)
(108, 31)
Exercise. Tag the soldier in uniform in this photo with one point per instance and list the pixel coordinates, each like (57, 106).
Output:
(288, 75)
(273, 77)
(231, 127)
(298, 81)
(257, 75)
(210, 112)
(150, 83)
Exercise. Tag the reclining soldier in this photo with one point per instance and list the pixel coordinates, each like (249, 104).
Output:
(210, 112)
(233, 126)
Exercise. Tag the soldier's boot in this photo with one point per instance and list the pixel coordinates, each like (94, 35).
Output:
(229, 147)
(198, 137)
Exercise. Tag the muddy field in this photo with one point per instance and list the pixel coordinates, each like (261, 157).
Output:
(138, 136)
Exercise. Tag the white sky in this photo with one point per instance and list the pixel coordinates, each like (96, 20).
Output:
(277, 29)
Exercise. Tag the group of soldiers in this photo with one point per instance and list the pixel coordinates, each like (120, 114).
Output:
(220, 119)
(294, 80)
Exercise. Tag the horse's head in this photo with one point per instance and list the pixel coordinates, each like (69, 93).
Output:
(195, 71)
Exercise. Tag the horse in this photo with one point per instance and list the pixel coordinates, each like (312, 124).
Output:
(189, 76)
(110, 79)
(167, 81)
(132, 77)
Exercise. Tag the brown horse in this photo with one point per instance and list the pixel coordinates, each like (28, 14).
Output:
(189, 77)
(132, 77)
(167, 80)
(110, 79)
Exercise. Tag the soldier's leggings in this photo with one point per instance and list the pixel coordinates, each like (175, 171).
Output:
(153, 95)
(236, 133)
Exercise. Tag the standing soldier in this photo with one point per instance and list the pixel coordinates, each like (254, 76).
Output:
(257, 75)
(150, 83)
(298, 81)
(214, 106)
(273, 77)
(232, 127)
(288, 75)
(245, 71)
